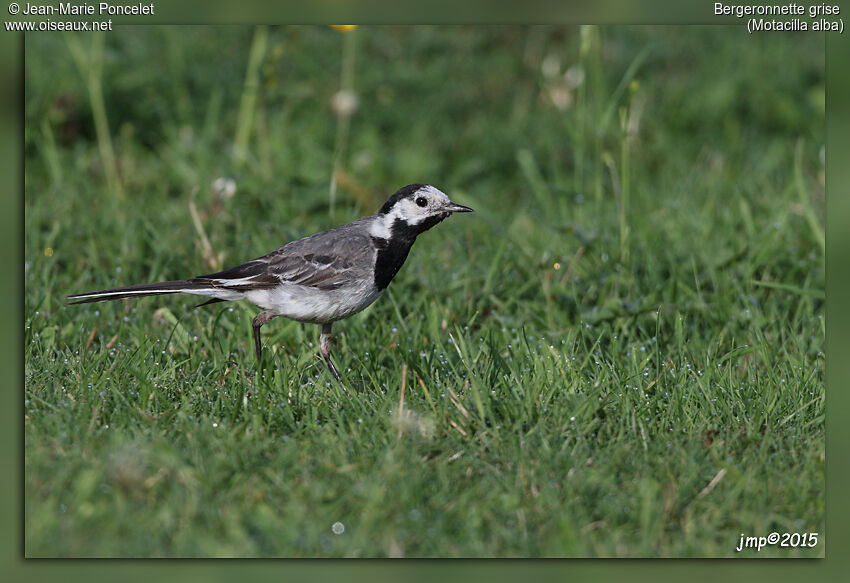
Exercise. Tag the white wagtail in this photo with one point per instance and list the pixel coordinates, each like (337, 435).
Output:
(321, 278)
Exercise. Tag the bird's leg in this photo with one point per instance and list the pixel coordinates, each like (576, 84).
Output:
(325, 347)
(261, 319)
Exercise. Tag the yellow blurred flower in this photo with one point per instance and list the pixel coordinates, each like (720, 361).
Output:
(344, 27)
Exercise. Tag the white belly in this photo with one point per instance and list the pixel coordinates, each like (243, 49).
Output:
(308, 304)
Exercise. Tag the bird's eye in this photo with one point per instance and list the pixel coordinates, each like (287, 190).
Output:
(421, 201)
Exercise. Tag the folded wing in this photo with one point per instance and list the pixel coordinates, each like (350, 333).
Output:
(327, 261)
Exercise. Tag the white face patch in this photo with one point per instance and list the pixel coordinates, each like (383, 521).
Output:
(412, 212)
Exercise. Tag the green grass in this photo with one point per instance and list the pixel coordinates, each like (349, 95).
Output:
(619, 354)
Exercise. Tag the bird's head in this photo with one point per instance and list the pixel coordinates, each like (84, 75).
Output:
(413, 209)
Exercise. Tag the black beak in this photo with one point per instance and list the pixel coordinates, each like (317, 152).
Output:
(452, 207)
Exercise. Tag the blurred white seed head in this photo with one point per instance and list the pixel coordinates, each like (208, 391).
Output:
(223, 188)
(344, 103)
(551, 66)
(574, 76)
(561, 96)
(415, 424)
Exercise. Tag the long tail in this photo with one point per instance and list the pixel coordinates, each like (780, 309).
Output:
(155, 289)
